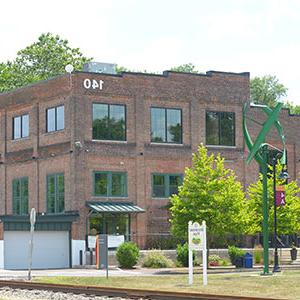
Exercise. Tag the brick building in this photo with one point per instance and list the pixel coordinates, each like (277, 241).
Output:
(103, 152)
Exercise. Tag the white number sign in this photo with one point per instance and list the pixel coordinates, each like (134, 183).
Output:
(93, 84)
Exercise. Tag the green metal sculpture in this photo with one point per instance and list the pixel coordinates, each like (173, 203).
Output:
(259, 151)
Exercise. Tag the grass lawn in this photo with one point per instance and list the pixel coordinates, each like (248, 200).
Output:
(284, 285)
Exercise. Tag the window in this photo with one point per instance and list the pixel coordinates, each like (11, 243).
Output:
(20, 127)
(110, 184)
(55, 193)
(166, 125)
(55, 118)
(220, 128)
(20, 196)
(109, 122)
(165, 185)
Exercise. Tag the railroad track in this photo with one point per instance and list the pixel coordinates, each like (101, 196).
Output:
(120, 292)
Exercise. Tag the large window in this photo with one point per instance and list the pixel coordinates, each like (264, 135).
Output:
(20, 127)
(165, 185)
(55, 118)
(20, 196)
(55, 193)
(220, 128)
(166, 125)
(109, 122)
(110, 184)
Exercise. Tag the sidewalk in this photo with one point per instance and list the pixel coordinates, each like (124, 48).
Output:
(115, 271)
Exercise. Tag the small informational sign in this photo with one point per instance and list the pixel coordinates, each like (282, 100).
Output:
(197, 241)
(92, 241)
(114, 241)
(280, 195)
(195, 236)
(102, 252)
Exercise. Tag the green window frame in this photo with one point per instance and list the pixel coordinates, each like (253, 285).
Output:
(220, 128)
(110, 184)
(165, 185)
(166, 125)
(55, 193)
(109, 122)
(20, 196)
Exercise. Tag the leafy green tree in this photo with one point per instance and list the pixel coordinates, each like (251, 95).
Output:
(209, 192)
(288, 216)
(294, 109)
(266, 90)
(185, 68)
(43, 59)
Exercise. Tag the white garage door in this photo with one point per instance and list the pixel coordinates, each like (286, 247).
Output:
(50, 249)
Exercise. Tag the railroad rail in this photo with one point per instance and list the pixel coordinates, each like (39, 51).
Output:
(120, 292)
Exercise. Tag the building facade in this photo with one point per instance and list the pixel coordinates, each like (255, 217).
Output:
(101, 153)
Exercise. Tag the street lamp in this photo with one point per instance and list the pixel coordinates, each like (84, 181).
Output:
(283, 175)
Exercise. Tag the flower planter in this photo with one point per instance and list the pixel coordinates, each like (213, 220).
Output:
(293, 253)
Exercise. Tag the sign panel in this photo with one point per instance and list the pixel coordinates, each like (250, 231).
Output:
(115, 241)
(280, 195)
(92, 241)
(102, 252)
(195, 236)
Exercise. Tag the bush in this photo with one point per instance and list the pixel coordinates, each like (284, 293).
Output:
(127, 255)
(235, 253)
(214, 260)
(258, 254)
(156, 259)
(182, 254)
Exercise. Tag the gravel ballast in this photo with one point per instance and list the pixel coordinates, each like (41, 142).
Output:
(20, 294)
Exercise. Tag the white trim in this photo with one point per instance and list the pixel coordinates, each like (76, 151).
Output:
(1, 254)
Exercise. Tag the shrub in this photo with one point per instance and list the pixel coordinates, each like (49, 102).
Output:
(182, 254)
(127, 255)
(258, 254)
(234, 253)
(214, 260)
(156, 259)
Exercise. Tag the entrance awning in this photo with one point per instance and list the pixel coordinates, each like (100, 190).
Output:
(114, 207)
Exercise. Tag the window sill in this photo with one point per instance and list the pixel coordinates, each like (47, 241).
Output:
(53, 132)
(109, 141)
(221, 147)
(160, 198)
(27, 138)
(110, 197)
(166, 144)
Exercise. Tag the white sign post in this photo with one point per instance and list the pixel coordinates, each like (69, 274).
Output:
(197, 242)
(32, 222)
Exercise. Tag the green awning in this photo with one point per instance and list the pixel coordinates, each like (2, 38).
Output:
(114, 207)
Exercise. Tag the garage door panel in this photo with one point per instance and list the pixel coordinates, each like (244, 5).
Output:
(50, 249)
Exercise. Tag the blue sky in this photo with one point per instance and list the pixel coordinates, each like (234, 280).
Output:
(261, 37)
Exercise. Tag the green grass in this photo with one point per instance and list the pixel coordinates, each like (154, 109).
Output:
(284, 285)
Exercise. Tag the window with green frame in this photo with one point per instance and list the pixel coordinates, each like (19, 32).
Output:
(110, 184)
(220, 128)
(165, 185)
(55, 193)
(109, 122)
(20, 196)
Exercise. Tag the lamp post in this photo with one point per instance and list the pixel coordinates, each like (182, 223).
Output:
(282, 175)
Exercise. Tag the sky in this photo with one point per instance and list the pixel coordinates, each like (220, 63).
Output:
(257, 36)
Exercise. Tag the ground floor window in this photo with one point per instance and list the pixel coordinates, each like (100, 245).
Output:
(111, 224)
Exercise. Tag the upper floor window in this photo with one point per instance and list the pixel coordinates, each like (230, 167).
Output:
(109, 122)
(220, 128)
(166, 125)
(55, 193)
(20, 127)
(20, 196)
(165, 185)
(55, 118)
(110, 184)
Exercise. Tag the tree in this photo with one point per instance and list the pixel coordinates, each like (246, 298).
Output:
(185, 68)
(43, 59)
(266, 90)
(294, 109)
(288, 215)
(209, 192)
